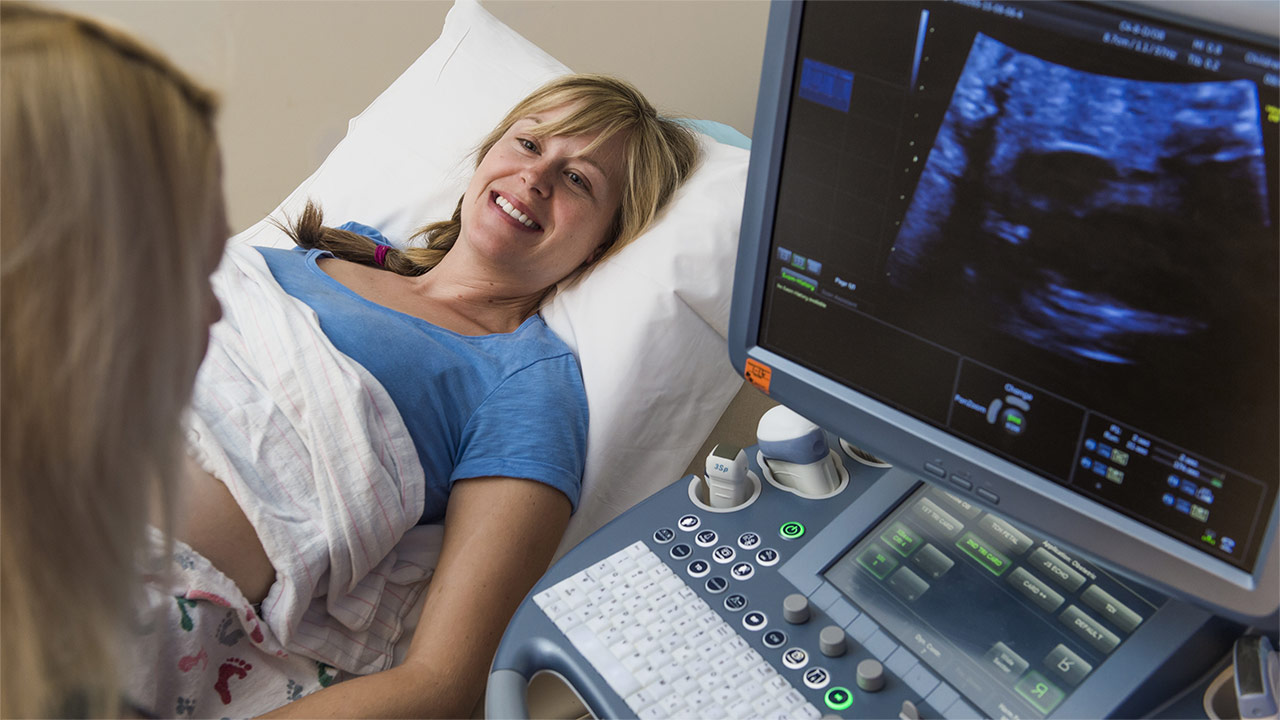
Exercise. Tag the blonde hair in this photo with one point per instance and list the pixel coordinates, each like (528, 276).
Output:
(111, 216)
(660, 152)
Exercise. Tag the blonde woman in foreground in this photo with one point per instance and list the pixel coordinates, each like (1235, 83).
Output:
(111, 220)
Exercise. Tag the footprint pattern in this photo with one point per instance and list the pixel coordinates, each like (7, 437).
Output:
(184, 560)
(229, 633)
(255, 630)
(326, 673)
(233, 668)
(187, 623)
(189, 662)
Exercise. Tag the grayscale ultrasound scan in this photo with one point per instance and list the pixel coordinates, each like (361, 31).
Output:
(1085, 215)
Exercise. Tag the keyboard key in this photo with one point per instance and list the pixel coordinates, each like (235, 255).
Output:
(698, 700)
(791, 699)
(735, 677)
(673, 705)
(646, 645)
(726, 696)
(660, 658)
(1111, 609)
(640, 699)
(724, 663)
(764, 706)
(777, 685)
(807, 711)
(569, 619)
(599, 570)
(1089, 629)
(763, 672)
(546, 597)
(684, 685)
(713, 712)
(750, 659)
(684, 654)
(614, 673)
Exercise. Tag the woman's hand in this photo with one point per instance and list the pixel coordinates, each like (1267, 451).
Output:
(500, 535)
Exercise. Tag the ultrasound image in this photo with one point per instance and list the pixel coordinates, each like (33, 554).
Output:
(1105, 220)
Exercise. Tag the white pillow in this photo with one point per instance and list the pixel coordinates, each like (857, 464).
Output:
(648, 325)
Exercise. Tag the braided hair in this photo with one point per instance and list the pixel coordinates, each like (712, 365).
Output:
(660, 152)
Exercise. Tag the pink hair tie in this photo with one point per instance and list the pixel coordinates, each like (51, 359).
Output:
(380, 255)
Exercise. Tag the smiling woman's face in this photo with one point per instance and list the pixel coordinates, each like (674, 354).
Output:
(540, 208)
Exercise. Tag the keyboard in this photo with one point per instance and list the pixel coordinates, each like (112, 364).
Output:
(661, 648)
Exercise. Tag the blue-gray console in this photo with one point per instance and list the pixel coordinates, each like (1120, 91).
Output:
(960, 612)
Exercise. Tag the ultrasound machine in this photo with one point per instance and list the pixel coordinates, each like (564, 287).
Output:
(1012, 272)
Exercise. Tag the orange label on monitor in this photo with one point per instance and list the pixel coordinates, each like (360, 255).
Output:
(758, 375)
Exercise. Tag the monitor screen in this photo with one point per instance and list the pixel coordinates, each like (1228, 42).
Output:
(1032, 252)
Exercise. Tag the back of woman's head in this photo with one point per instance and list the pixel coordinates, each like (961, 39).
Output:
(111, 218)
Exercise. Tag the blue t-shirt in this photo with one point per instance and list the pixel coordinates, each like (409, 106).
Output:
(509, 404)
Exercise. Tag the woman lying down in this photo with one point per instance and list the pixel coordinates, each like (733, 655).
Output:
(356, 396)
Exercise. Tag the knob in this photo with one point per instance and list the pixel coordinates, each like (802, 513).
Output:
(831, 641)
(870, 675)
(795, 609)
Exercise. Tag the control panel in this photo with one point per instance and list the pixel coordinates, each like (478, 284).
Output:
(853, 589)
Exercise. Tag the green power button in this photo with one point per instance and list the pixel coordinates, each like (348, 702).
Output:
(791, 530)
(839, 698)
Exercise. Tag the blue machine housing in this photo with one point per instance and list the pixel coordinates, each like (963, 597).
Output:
(1107, 536)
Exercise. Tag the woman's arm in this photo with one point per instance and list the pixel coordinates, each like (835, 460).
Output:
(500, 535)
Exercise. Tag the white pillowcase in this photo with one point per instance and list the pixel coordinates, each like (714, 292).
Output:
(648, 325)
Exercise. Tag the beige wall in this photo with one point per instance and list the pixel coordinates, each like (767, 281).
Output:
(292, 72)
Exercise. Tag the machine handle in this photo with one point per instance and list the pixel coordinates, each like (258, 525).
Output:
(505, 696)
(533, 644)
(1257, 674)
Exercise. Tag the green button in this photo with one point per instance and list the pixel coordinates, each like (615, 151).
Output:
(877, 560)
(990, 559)
(839, 698)
(900, 538)
(1039, 692)
(791, 530)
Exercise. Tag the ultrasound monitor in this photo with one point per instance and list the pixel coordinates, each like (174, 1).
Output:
(1031, 253)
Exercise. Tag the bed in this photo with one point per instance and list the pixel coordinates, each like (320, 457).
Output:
(649, 326)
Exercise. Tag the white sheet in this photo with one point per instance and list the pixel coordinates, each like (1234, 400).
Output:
(316, 454)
